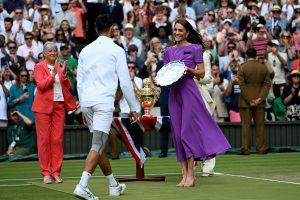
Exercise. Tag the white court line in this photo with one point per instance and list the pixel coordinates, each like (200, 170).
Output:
(25, 184)
(78, 177)
(128, 175)
(257, 178)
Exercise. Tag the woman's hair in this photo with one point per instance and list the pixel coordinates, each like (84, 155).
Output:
(18, 82)
(69, 29)
(49, 45)
(10, 76)
(151, 41)
(193, 37)
(63, 34)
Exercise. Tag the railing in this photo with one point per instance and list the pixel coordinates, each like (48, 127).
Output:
(77, 138)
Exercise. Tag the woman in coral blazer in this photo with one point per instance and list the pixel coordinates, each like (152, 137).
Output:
(51, 102)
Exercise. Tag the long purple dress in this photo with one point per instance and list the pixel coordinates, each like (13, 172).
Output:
(194, 131)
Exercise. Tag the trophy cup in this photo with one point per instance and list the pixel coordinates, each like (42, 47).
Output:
(148, 95)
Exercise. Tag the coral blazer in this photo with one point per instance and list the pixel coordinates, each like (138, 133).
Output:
(43, 101)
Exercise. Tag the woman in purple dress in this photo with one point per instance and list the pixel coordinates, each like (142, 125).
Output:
(196, 136)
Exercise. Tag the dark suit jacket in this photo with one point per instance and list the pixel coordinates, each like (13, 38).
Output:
(254, 80)
(15, 68)
(116, 13)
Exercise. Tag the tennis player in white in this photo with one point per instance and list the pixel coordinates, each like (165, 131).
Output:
(101, 65)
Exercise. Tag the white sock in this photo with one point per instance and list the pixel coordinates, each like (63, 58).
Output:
(85, 177)
(111, 180)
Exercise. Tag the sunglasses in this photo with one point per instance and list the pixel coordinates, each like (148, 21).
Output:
(60, 34)
(12, 47)
(230, 47)
(22, 75)
(18, 13)
(50, 39)
(229, 12)
(286, 36)
(276, 11)
(210, 14)
(135, 3)
(29, 38)
(296, 75)
(157, 3)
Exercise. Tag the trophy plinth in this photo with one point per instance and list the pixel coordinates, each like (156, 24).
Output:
(148, 95)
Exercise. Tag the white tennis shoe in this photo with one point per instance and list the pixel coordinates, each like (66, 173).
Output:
(84, 193)
(117, 190)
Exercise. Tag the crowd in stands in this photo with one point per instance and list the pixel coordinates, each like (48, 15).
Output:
(143, 28)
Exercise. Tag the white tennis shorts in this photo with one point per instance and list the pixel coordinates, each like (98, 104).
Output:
(97, 119)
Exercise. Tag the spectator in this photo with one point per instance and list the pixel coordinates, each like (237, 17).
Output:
(65, 14)
(71, 66)
(295, 21)
(137, 84)
(78, 7)
(31, 77)
(254, 81)
(132, 57)
(20, 134)
(183, 10)
(3, 15)
(3, 105)
(21, 94)
(217, 88)
(45, 23)
(12, 60)
(9, 35)
(154, 56)
(269, 113)
(117, 36)
(291, 96)
(232, 56)
(279, 107)
(266, 8)
(258, 39)
(114, 9)
(231, 14)
(8, 77)
(278, 61)
(20, 26)
(276, 20)
(232, 93)
(163, 36)
(285, 47)
(11, 5)
(2, 47)
(65, 27)
(60, 38)
(201, 7)
(159, 20)
(28, 51)
(210, 24)
(131, 39)
(134, 17)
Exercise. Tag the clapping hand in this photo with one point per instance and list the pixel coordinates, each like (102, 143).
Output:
(64, 67)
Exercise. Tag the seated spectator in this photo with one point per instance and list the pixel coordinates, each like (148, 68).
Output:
(9, 35)
(29, 52)
(295, 21)
(279, 107)
(134, 17)
(231, 14)
(3, 105)
(12, 60)
(210, 24)
(131, 39)
(232, 93)
(20, 134)
(159, 20)
(291, 96)
(269, 112)
(60, 38)
(8, 77)
(137, 85)
(117, 36)
(163, 36)
(132, 57)
(21, 94)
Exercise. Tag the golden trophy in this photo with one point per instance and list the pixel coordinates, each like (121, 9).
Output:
(148, 95)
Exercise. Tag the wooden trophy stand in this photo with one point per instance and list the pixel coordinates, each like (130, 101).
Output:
(147, 121)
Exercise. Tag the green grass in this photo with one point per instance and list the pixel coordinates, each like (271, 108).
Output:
(242, 178)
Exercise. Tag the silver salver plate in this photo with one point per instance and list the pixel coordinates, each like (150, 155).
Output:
(170, 73)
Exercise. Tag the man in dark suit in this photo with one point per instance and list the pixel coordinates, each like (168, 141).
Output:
(114, 9)
(254, 81)
(12, 60)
